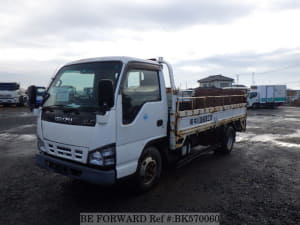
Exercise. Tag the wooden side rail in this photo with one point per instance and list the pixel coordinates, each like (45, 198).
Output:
(191, 103)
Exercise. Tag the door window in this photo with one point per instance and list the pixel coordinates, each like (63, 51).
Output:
(138, 88)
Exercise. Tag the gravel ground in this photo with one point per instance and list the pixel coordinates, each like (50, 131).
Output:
(259, 183)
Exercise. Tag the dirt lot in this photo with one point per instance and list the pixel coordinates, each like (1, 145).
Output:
(259, 183)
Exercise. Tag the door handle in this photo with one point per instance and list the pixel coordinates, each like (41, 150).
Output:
(159, 123)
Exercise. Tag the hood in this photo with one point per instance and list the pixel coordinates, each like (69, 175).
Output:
(90, 137)
(67, 134)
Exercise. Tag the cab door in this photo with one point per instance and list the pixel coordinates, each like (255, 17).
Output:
(142, 114)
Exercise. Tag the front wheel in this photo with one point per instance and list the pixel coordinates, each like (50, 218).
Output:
(21, 101)
(255, 106)
(149, 169)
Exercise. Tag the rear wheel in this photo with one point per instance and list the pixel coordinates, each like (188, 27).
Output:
(149, 169)
(228, 140)
(186, 148)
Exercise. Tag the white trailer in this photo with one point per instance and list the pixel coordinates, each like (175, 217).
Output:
(11, 94)
(128, 124)
(266, 95)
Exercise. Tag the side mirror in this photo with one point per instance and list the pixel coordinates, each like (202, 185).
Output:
(31, 91)
(105, 94)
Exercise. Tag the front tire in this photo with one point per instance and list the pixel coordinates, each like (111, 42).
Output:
(149, 169)
(255, 106)
(21, 101)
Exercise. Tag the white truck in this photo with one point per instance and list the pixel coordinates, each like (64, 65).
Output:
(266, 96)
(128, 124)
(11, 94)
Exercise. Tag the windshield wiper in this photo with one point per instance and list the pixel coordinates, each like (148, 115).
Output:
(51, 107)
(68, 110)
(89, 108)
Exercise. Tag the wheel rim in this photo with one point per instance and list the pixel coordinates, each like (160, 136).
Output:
(189, 146)
(148, 170)
(186, 148)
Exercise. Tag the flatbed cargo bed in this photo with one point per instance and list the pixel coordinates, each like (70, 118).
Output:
(196, 119)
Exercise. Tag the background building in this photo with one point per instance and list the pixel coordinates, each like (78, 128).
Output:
(217, 81)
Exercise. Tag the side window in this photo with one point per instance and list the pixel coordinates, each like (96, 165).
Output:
(139, 87)
(224, 85)
(253, 94)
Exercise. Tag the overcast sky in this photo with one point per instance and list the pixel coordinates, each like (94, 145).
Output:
(199, 37)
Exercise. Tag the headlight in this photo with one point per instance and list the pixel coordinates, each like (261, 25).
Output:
(41, 144)
(104, 157)
(96, 158)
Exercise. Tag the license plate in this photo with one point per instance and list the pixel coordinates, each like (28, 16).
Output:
(58, 168)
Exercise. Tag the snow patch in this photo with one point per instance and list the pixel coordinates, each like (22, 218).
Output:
(269, 138)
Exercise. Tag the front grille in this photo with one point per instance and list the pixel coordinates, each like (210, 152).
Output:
(5, 96)
(66, 151)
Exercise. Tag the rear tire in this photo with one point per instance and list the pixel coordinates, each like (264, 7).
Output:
(186, 148)
(149, 169)
(228, 140)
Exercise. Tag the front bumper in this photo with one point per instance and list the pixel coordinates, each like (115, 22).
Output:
(77, 171)
(8, 100)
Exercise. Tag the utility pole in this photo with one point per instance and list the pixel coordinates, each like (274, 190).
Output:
(253, 81)
(237, 78)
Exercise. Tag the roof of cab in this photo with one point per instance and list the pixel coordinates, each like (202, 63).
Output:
(124, 59)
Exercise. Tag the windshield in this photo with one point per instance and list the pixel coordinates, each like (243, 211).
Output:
(9, 86)
(252, 94)
(75, 86)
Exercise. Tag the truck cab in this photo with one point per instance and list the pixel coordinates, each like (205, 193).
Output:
(11, 94)
(101, 133)
(252, 99)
